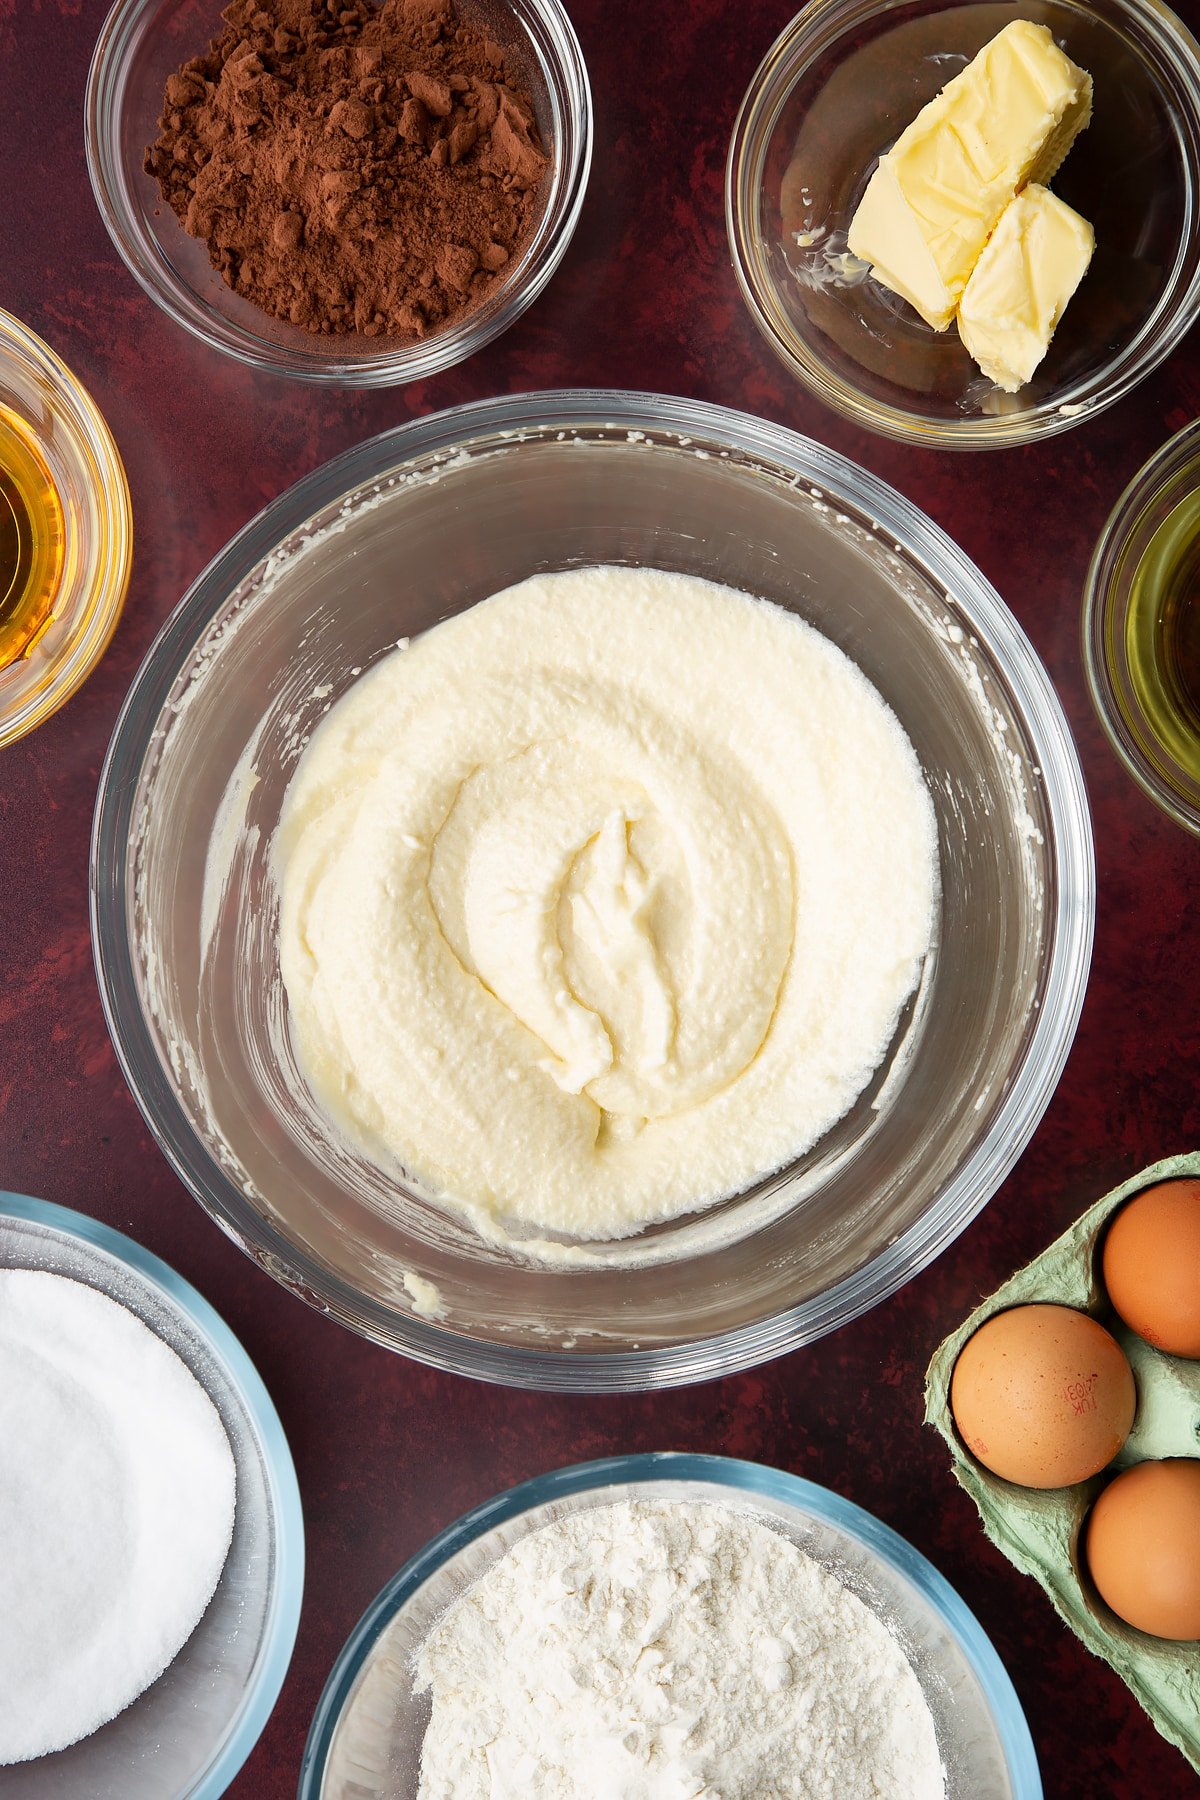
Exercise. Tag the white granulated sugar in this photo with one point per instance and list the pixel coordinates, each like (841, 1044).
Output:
(653, 1650)
(116, 1509)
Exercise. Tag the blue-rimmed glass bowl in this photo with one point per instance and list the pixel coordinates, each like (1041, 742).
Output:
(187, 1736)
(366, 1734)
(834, 91)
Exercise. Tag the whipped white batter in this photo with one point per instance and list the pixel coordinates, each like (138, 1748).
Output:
(602, 899)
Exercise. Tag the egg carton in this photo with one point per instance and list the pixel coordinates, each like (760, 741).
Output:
(1039, 1530)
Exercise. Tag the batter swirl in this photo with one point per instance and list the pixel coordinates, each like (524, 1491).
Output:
(602, 899)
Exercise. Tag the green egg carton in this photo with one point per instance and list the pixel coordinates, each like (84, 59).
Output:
(1039, 1530)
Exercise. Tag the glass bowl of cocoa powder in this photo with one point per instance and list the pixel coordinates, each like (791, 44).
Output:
(360, 196)
(411, 529)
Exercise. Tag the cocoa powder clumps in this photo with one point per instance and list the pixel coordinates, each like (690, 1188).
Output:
(352, 168)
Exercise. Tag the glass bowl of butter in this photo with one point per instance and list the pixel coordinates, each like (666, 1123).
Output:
(386, 561)
(967, 228)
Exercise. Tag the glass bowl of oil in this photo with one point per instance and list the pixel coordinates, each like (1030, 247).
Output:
(1141, 627)
(66, 532)
(140, 46)
(419, 524)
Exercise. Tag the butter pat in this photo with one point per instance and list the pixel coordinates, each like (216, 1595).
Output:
(1008, 118)
(1032, 264)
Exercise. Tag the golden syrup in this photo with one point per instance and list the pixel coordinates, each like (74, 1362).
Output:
(1162, 635)
(31, 540)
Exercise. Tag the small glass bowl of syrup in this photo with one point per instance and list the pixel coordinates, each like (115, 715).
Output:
(66, 532)
(1141, 627)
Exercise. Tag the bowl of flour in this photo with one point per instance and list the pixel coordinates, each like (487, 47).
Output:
(153, 1535)
(592, 890)
(668, 1625)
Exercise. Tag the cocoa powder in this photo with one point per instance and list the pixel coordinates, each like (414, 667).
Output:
(352, 168)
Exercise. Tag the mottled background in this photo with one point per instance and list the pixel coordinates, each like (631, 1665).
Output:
(387, 1452)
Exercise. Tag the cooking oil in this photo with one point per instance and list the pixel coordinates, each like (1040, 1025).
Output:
(31, 540)
(1162, 634)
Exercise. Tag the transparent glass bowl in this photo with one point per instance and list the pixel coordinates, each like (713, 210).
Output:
(1159, 746)
(835, 91)
(187, 1736)
(144, 41)
(418, 524)
(78, 449)
(366, 1735)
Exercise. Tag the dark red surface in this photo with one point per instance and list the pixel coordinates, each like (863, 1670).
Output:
(387, 1452)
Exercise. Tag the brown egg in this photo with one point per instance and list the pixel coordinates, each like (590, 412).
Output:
(1042, 1395)
(1143, 1547)
(1152, 1265)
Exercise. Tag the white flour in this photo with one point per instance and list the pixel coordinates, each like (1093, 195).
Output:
(650, 1650)
(116, 1509)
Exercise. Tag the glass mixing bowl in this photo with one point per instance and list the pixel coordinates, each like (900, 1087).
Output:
(834, 92)
(418, 524)
(365, 1739)
(1139, 627)
(187, 1736)
(144, 41)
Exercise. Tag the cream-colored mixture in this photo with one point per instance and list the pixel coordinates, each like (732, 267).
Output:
(602, 899)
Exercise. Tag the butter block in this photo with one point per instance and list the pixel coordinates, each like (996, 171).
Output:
(1030, 267)
(933, 201)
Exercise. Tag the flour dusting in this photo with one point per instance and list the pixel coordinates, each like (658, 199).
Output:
(647, 1650)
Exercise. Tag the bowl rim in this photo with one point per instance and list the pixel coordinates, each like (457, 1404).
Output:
(417, 361)
(106, 575)
(1101, 601)
(737, 1474)
(1022, 1105)
(819, 26)
(279, 1639)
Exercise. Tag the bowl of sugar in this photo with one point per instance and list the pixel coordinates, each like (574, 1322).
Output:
(154, 1560)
